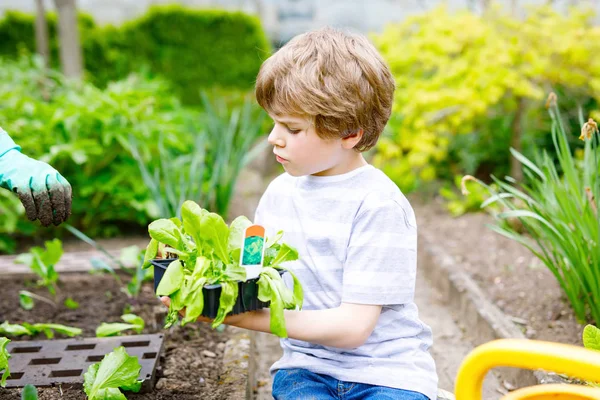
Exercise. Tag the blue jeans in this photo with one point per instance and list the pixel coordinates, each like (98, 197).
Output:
(302, 384)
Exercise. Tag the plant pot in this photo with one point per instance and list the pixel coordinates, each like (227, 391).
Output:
(247, 299)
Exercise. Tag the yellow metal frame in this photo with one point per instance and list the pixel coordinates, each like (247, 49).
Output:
(574, 361)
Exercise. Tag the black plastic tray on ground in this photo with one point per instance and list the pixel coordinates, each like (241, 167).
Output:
(65, 361)
(247, 299)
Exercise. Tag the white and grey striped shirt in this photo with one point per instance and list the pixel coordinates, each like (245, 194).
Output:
(357, 239)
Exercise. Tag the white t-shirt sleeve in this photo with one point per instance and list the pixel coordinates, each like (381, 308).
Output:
(381, 262)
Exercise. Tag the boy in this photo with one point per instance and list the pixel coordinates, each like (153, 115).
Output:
(358, 335)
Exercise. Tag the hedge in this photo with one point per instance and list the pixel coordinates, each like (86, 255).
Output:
(192, 48)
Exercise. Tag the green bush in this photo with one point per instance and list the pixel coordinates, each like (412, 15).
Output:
(193, 49)
(17, 33)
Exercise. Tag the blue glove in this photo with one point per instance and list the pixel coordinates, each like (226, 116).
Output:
(45, 194)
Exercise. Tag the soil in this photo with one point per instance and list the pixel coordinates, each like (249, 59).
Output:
(516, 281)
(191, 363)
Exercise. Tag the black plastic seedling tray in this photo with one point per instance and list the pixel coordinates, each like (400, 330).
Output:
(247, 299)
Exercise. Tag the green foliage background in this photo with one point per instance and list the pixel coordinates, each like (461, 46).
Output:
(461, 77)
(192, 49)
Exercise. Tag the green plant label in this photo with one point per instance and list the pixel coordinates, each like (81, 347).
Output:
(253, 252)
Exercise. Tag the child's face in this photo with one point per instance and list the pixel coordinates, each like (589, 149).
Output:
(301, 151)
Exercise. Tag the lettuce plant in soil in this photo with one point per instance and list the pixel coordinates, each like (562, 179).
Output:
(132, 321)
(42, 261)
(4, 356)
(207, 252)
(117, 371)
(9, 329)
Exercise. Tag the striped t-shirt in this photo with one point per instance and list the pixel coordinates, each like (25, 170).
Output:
(356, 236)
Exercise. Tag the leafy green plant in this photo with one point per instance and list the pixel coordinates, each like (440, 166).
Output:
(559, 213)
(71, 304)
(9, 329)
(4, 356)
(117, 370)
(29, 393)
(591, 340)
(591, 337)
(27, 302)
(41, 262)
(132, 321)
(224, 140)
(208, 252)
(454, 109)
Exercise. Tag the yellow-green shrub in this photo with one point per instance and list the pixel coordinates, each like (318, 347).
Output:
(464, 74)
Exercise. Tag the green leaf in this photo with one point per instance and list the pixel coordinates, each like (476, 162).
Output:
(277, 283)
(172, 279)
(591, 337)
(106, 329)
(196, 303)
(29, 393)
(236, 233)
(135, 320)
(176, 305)
(62, 329)
(71, 304)
(235, 272)
(529, 214)
(4, 356)
(528, 163)
(165, 231)
(53, 252)
(150, 254)
(25, 300)
(229, 293)
(191, 215)
(298, 292)
(118, 369)
(215, 231)
(268, 292)
(271, 241)
(14, 329)
(285, 253)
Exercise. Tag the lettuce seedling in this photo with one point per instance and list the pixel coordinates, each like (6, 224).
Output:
(9, 329)
(208, 252)
(29, 392)
(132, 322)
(4, 356)
(117, 370)
(42, 261)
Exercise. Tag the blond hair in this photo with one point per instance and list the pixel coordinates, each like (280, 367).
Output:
(336, 79)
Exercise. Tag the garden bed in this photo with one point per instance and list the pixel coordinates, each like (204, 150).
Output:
(511, 277)
(190, 367)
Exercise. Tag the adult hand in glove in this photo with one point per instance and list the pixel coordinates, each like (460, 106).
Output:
(45, 194)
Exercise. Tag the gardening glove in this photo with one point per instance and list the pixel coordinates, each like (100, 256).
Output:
(45, 194)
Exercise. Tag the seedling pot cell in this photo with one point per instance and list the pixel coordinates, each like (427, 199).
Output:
(247, 299)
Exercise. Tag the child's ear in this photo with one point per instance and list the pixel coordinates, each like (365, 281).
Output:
(352, 140)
